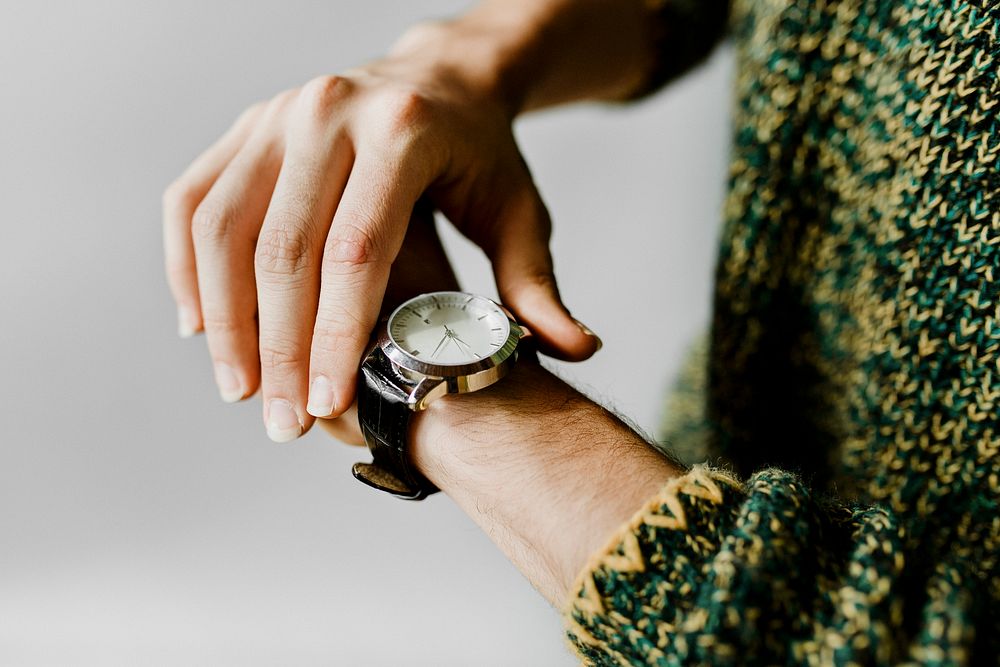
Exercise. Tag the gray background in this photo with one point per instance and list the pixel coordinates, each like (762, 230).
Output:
(142, 521)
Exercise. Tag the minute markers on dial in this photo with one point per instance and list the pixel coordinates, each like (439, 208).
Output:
(474, 324)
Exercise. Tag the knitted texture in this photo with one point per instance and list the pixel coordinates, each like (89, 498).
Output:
(854, 355)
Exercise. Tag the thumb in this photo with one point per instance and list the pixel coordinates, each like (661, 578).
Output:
(522, 266)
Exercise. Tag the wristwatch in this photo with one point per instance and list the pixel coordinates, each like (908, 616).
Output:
(434, 344)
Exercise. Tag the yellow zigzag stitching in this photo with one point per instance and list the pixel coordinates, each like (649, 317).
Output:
(699, 482)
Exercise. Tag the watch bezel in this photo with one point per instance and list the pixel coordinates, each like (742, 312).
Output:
(496, 362)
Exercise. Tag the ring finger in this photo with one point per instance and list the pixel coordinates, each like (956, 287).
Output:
(225, 228)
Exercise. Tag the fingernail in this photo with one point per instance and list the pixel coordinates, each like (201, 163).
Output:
(230, 387)
(185, 322)
(320, 397)
(283, 424)
(587, 332)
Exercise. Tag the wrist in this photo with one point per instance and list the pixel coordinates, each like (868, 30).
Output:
(478, 50)
(460, 437)
(526, 455)
(529, 54)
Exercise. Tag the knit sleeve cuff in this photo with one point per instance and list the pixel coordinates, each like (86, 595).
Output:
(653, 561)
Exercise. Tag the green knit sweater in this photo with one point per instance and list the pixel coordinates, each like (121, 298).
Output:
(851, 383)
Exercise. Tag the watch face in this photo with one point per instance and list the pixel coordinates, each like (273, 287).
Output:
(449, 328)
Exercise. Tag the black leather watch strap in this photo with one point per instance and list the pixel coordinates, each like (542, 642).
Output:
(385, 420)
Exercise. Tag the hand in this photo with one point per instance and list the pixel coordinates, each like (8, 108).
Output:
(280, 237)
(526, 442)
(421, 266)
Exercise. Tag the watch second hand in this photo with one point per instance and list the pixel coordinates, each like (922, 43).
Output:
(454, 336)
(444, 339)
(459, 340)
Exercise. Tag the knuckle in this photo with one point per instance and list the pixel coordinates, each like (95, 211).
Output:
(277, 358)
(226, 323)
(328, 338)
(322, 95)
(406, 113)
(338, 329)
(542, 219)
(211, 221)
(250, 116)
(281, 251)
(525, 204)
(269, 118)
(253, 111)
(179, 196)
(350, 247)
(531, 282)
(277, 104)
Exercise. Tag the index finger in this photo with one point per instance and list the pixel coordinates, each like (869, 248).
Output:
(366, 234)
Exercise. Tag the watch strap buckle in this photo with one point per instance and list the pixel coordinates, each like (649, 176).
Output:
(379, 478)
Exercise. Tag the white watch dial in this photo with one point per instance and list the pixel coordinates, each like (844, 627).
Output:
(449, 328)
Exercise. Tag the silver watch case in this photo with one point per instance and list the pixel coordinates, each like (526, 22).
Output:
(427, 382)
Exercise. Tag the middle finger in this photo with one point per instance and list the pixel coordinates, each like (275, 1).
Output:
(287, 264)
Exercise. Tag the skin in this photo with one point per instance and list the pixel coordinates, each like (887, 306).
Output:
(528, 458)
(530, 441)
(286, 239)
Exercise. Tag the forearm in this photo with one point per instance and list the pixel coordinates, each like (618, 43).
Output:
(539, 53)
(548, 474)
